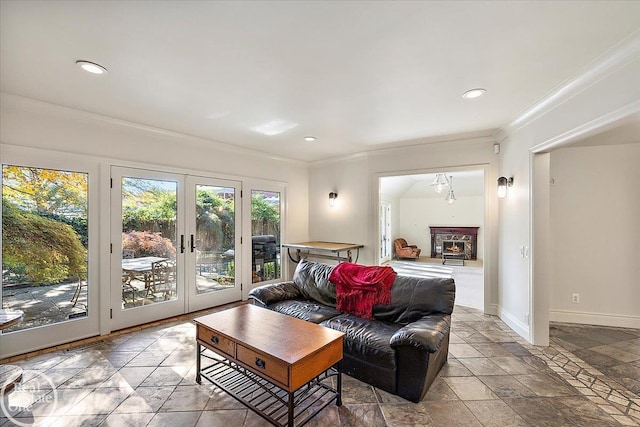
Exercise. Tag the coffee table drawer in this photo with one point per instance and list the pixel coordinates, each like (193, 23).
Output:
(264, 364)
(216, 341)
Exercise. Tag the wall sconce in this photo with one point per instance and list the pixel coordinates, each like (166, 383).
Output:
(503, 183)
(332, 198)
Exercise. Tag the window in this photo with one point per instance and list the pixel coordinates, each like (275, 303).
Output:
(45, 244)
(265, 236)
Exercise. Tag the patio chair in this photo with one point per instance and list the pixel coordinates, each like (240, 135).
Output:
(76, 293)
(162, 279)
(128, 253)
(128, 287)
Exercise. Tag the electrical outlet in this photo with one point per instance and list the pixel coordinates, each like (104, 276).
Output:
(575, 298)
(526, 318)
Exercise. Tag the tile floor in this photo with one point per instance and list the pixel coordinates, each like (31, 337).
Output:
(589, 376)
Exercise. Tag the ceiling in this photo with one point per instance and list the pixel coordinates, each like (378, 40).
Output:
(418, 186)
(357, 75)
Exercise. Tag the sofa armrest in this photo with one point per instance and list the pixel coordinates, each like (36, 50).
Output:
(427, 333)
(274, 292)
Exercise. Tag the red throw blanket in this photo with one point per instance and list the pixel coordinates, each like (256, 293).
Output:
(360, 287)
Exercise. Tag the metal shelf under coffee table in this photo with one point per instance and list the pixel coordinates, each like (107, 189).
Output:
(284, 369)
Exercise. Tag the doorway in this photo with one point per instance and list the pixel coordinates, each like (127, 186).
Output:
(414, 205)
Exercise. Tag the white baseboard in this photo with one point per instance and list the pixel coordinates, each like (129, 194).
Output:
(600, 319)
(492, 309)
(518, 327)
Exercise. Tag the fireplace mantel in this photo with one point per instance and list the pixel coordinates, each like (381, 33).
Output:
(468, 234)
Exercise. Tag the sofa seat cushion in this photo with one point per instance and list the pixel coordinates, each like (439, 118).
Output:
(366, 339)
(307, 310)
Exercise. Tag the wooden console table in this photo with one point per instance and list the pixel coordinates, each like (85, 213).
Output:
(278, 366)
(327, 250)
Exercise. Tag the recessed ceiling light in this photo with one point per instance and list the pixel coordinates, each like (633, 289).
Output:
(92, 67)
(474, 93)
(310, 138)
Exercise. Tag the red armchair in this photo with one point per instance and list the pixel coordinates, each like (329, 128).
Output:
(404, 250)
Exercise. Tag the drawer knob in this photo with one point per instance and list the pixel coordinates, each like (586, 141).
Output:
(260, 363)
(215, 340)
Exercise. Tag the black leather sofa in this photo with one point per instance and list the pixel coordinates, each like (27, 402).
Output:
(400, 351)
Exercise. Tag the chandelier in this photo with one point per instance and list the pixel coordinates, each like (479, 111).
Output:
(440, 182)
(450, 196)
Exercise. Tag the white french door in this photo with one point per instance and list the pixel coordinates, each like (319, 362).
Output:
(147, 246)
(175, 244)
(213, 242)
(385, 232)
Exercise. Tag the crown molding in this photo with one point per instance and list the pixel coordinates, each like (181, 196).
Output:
(590, 128)
(618, 56)
(32, 104)
(473, 138)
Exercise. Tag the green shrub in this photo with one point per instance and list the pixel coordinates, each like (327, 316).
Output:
(271, 270)
(39, 248)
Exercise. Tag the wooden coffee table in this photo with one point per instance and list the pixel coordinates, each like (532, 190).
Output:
(279, 366)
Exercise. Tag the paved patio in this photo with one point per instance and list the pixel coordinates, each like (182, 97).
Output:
(49, 304)
(45, 304)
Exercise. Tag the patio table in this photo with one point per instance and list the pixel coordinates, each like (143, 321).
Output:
(134, 268)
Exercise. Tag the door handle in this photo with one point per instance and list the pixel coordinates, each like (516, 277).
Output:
(193, 246)
(182, 243)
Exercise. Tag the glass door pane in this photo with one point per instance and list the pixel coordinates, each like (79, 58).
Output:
(147, 247)
(149, 236)
(265, 236)
(385, 232)
(213, 239)
(45, 243)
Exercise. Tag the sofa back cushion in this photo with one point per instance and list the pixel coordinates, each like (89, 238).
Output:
(414, 297)
(313, 280)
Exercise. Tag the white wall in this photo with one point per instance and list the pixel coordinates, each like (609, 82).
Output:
(606, 91)
(355, 218)
(349, 220)
(595, 235)
(106, 141)
(417, 214)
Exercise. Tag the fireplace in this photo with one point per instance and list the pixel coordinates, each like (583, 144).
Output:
(465, 238)
(453, 246)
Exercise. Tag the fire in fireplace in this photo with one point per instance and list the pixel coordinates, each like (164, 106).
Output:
(453, 246)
